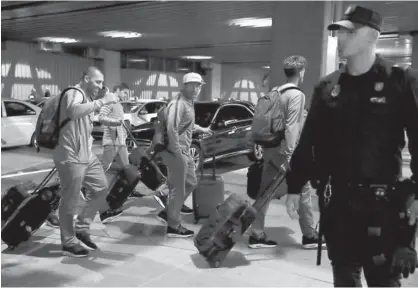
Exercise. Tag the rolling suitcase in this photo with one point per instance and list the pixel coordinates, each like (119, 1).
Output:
(151, 174)
(209, 193)
(122, 186)
(31, 213)
(14, 197)
(231, 219)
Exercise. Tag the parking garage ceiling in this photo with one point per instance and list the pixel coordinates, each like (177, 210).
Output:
(169, 29)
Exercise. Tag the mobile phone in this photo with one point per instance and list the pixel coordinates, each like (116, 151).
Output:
(103, 92)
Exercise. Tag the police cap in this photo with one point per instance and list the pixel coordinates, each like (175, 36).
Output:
(358, 15)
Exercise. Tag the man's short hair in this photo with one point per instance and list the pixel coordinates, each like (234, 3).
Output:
(90, 71)
(120, 86)
(293, 65)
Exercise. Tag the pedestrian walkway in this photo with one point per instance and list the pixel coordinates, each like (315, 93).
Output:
(135, 252)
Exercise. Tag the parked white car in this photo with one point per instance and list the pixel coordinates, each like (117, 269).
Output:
(18, 123)
(135, 113)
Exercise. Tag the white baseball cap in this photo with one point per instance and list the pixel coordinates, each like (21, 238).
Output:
(193, 77)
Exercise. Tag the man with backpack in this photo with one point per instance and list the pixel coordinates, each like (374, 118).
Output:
(277, 122)
(180, 124)
(76, 164)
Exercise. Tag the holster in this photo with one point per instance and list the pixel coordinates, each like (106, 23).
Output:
(384, 209)
(402, 198)
(324, 196)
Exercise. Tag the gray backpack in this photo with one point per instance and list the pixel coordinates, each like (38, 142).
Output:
(262, 130)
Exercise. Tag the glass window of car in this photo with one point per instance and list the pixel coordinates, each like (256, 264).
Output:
(146, 109)
(204, 113)
(129, 107)
(232, 113)
(14, 109)
(158, 106)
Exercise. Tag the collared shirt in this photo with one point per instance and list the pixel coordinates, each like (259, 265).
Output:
(113, 135)
(179, 115)
(75, 140)
(291, 104)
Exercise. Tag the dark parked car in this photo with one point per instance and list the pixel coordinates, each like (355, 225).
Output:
(231, 122)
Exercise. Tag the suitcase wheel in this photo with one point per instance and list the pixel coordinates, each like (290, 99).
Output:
(22, 223)
(11, 247)
(215, 264)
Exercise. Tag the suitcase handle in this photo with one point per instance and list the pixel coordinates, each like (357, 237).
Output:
(134, 140)
(130, 133)
(45, 180)
(202, 157)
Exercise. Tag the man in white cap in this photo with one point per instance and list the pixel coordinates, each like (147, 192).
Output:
(181, 168)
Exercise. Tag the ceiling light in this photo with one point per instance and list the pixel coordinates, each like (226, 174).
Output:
(251, 22)
(58, 39)
(389, 36)
(137, 60)
(183, 69)
(265, 67)
(120, 34)
(197, 57)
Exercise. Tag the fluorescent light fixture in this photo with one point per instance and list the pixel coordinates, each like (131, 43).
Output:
(389, 36)
(120, 34)
(265, 67)
(252, 22)
(137, 60)
(58, 39)
(197, 57)
(183, 69)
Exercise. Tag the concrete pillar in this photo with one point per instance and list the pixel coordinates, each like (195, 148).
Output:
(212, 88)
(300, 28)
(414, 57)
(112, 67)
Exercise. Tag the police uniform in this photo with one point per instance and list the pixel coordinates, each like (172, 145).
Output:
(353, 140)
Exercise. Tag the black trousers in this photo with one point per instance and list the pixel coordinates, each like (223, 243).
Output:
(350, 232)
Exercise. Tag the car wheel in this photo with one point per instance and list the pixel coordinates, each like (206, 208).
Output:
(33, 142)
(195, 154)
(256, 153)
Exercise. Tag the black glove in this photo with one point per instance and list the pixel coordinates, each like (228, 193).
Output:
(404, 261)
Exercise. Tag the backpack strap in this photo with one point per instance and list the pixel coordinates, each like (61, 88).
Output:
(188, 124)
(65, 122)
(281, 91)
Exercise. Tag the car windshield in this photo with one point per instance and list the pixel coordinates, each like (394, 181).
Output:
(204, 113)
(131, 107)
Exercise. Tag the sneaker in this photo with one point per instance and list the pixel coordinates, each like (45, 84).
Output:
(75, 251)
(186, 210)
(311, 242)
(136, 194)
(85, 238)
(53, 221)
(161, 199)
(262, 242)
(162, 216)
(110, 215)
(180, 232)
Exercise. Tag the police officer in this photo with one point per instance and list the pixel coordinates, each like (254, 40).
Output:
(352, 139)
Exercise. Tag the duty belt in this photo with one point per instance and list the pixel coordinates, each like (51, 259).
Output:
(378, 189)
